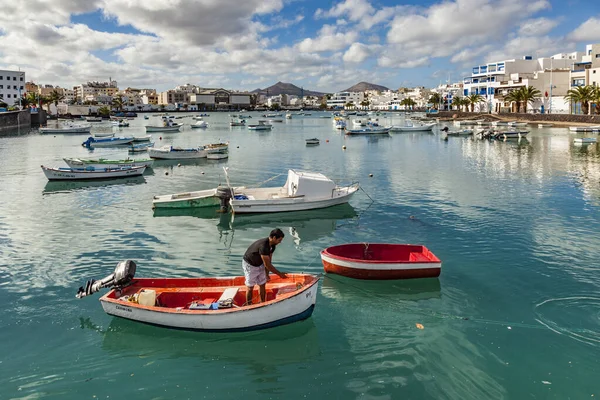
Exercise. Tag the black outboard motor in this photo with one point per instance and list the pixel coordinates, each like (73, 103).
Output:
(224, 194)
(122, 277)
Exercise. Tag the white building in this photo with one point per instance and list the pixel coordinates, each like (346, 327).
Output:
(12, 86)
(493, 81)
(340, 99)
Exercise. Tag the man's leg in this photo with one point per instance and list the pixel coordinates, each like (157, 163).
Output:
(249, 294)
(263, 292)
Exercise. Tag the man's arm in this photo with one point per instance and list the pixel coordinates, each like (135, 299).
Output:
(270, 267)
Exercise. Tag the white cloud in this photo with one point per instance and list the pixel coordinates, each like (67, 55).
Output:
(328, 39)
(537, 26)
(357, 53)
(588, 31)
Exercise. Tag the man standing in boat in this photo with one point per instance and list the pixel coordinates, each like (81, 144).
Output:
(257, 264)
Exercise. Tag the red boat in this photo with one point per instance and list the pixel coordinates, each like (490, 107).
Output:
(381, 261)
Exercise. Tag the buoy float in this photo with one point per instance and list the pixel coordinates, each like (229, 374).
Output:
(343, 147)
(166, 173)
(202, 172)
(160, 138)
(327, 141)
(179, 165)
(370, 175)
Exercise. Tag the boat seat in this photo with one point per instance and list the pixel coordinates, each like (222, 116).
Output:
(418, 257)
(226, 299)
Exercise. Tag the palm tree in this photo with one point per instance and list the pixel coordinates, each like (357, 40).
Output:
(104, 111)
(117, 102)
(55, 97)
(514, 97)
(31, 98)
(596, 99)
(47, 100)
(474, 99)
(583, 95)
(408, 102)
(349, 104)
(365, 103)
(528, 94)
(458, 102)
(435, 99)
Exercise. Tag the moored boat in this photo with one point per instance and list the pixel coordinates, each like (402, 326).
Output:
(199, 124)
(56, 174)
(107, 142)
(216, 147)
(103, 134)
(93, 119)
(145, 138)
(381, 261)
(584, 128)
(413, 128)
(368, 131)
(313, 141)
(216, 304)
(74, 129)
(261, 126)
(217, 155)
(172, 128)
(105, 163)
(585, 140)
(176, 153)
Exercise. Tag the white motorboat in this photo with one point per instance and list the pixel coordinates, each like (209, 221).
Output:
(368, 130)
(462, 132)
(302, 191)
(93, 119)
(55, 174)
(261, 126)
(176, 153)
(145, 138)
(99, 163)
(584, 128)
(312, 141)
(218, 155)
(585, 140)
(240, 122)
(120, 124)
(515, 123)
(172, 128)
(288, 116)
(545, 125)
(413, 128)
(199, 124)
(339, 123)
(73, 129)
(216, 147)
(103, 134)
(107, 142)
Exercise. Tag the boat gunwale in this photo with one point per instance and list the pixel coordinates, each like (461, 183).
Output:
(433, 260)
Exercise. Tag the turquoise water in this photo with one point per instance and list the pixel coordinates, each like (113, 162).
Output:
(514, 314)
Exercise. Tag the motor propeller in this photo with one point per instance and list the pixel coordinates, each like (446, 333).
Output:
(121, 277)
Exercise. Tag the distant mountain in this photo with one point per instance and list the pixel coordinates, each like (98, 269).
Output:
(286, 88)
(362, 86)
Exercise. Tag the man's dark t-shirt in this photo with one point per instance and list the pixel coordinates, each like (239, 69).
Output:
(256, 249)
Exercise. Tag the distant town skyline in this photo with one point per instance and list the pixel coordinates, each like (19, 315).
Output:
(321, 46)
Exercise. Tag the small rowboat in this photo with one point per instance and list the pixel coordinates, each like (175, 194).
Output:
(62, 174)
(381, 261)
(204, 304)
(312, 141)
(173, 128)
(585, 140)
(104, 163)
(140, 148)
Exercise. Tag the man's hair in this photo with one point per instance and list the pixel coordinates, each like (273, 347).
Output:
(276, 233)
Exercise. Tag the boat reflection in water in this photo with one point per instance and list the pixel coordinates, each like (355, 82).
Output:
(304, 226)
(298, 342)
(71, 186)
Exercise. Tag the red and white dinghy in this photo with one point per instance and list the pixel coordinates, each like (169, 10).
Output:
(381, 261)
(204, 304)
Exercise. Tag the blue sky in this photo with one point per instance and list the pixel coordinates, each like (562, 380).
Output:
(324, 46)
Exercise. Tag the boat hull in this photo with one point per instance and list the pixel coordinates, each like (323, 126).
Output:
(289, 204)
(291, 308)
(163, 128)
(413, 265)
(77, 163)
(55, 174)
(176, 155)
(66, 130)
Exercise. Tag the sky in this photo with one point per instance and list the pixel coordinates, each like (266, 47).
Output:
(248, 44)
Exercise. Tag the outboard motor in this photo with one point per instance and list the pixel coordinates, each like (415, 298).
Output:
(224, 194)
(121, 277)
(88, 142)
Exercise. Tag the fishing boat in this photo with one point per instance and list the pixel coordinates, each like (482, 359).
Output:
(200, 198)
(172, 128)
(176, 153)
(58, 174)
(199, 124)
(140, 148)
(381, 261)
(216, 304)
(105, 163)
(368, 131)
(302, 191)
(339, 123)
(93, 119)
(146, 117)
(261, 126)
(545, 125)
(312, 142)
(217, 155)
(107, 142)
(145, 138)
(73, 129)
(510, 134)
(216, 147)
(103, 134)
(413, 128)
(120, 123)
(240, 122)
(585, 140)
(584, 128)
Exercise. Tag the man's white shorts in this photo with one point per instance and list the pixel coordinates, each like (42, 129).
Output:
(254, 275)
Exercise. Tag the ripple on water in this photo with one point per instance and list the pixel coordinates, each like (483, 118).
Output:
(576, 317)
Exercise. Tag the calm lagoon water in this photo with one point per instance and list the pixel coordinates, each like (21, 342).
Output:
(515, 313)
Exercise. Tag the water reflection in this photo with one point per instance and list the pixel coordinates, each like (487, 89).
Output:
(71, 186)
(344, 289)
(304, 226)
(298, 342)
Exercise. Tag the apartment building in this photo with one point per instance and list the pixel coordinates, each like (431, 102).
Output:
(586, 71)
(340, 99)
(82, 91)
(221, 98)
(12, 86)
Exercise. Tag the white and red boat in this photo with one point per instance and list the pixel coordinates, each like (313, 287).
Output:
(204, 304)
(381, 261)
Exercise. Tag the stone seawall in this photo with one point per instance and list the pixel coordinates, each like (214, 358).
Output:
(15, 120)
(580, 119)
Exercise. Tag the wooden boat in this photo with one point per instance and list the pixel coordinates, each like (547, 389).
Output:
(462, 132)
(302, 191)
(216, 147)
(368, 131)
(93, 119)
(176, 153)
(585, 140)
(56, 174)
(103, 134)
(261, 126)
(381, 261)
(73, 129)
(204, 304)
(104, 163)
(200, 124)
(584, 128)
(510, 134)
(173, 128)
(218, 155)
(313, 141)
(413, 128)
(145, 138)
(545, 125)
(107, 142)
(139, 148)
(200, 198)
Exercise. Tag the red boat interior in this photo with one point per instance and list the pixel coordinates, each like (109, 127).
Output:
(384, 253)
(201, 293)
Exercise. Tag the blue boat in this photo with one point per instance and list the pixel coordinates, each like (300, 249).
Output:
(106, 142)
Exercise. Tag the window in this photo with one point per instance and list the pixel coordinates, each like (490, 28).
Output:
(1, 86)
(1, 77)
(14, 78)
(21, 79)
(8, 95)
(15, 87)
(21, 87)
